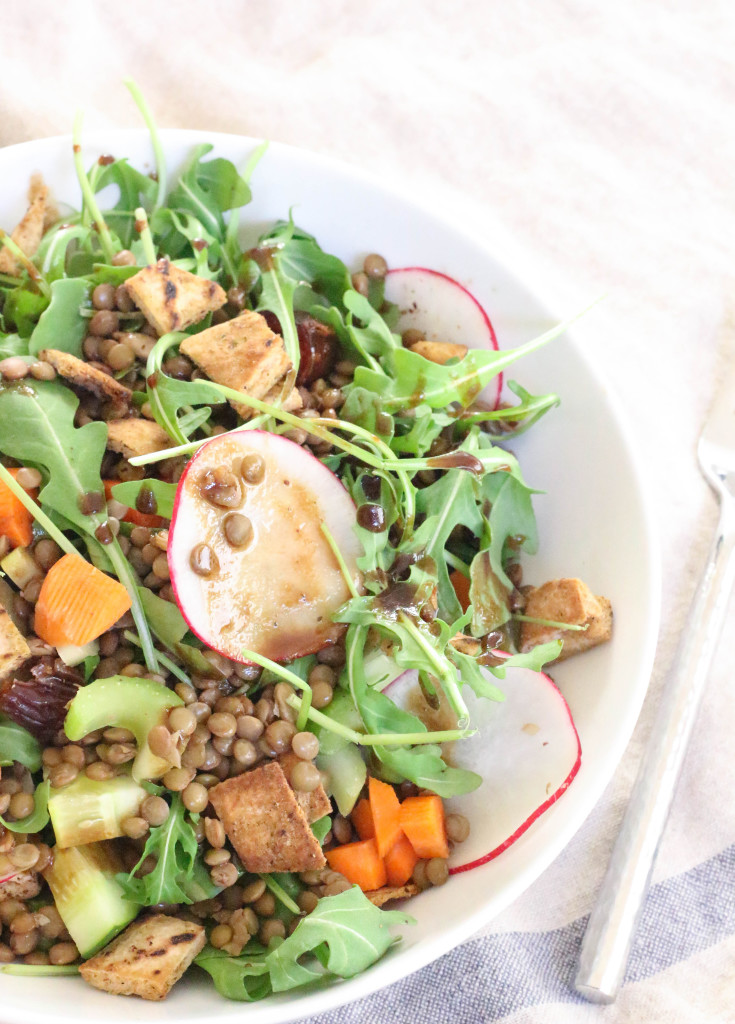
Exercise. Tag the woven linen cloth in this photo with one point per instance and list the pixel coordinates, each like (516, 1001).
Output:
(600, 137)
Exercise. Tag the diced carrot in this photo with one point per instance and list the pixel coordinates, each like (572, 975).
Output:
(461, 588)
(78, 603)
(400, 862)
(422, 819)
(16, 522)
(152, 522)
(362, 819)
(360, 863)
(386, 812)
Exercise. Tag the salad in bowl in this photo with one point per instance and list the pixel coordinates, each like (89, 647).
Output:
(269, 660)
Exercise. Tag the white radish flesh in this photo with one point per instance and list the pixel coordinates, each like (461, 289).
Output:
(526, 749)
(276, 593)
(443, 310)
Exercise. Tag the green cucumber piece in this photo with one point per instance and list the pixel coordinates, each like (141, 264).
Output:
(88, 811)
(347, 774)
(89, 899)
(128, 703)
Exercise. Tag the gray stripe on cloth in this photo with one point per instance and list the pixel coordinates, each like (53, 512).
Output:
(490, 977)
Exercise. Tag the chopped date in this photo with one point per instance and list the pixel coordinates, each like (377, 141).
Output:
(38, 701)
(317, 346)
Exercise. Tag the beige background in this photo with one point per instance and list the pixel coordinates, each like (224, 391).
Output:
(599, 136)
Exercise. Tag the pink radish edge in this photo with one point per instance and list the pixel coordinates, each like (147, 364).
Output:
(402, 679)
(468, 293)
(175, 511)
(458, 869)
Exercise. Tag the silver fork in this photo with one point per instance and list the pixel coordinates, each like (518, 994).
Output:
(614, 919)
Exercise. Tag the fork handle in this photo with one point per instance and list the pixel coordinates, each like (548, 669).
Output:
(614, 918)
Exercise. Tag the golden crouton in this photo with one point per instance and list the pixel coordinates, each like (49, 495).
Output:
(392, 892)
(147, 959)
(439, 351)
(291, 403)
(136, 437)
(571, 601)
(314, 804)
(243, 354)
(23, 886)
(170, 298)
(89, 378)
(466, 644)
(28, 234)
(264, 822)
(13, 648)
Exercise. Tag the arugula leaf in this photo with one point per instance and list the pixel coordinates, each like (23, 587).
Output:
(13, 345)
(321, 828)
(51, 255)
(62, 325)
(21, 310)
(17, 744)
(164, 618)
(343, 935)
(354, 932)
(174, 845)
(135, 189)
(164, 493)
(208, 188)
(39, 816)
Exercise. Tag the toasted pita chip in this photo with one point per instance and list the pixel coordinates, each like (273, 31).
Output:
(571, 601)
(23, 886)
(28, 234)
(87, 377)
(439, 351)
(13, 648)
(172, 299)
(314, 804)
(264, 822)
(392, 892)
(135, 436)
(243, 354)
(147, 959)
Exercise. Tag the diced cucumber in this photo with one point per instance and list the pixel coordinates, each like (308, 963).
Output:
(89, 899)
(88, 811)
(198, 884)
(21, 567)
(347, 773)
(129, 703)
(73, 655)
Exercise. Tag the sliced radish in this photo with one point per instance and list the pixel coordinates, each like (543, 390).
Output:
(526, 749)
(275, 591)
(443, 310)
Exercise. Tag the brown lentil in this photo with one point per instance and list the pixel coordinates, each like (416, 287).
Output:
(154, 809)
(305, 745)
(160, 567)
(99, 771)
(265, 905)
(123, 302)
(253, 890)
(252, 468)
(224, 874)
(24, 856)
(375, 266)
(214, 830)
(103, 296)
(360, 282)
(120, 357)
(42, 371)
(278, 736)
(221, 723)
(120, 753)
(194, 756)
(216, 856)
(437, 871)
(249, 727)
(134, 827)
(321, 694)
(124, 258)
(238, 529)
(6, 954)
(63, 953)
(182, 720)
(220, 487)
(307, 901)
(25, 943)
(220, 935)
(22, 923)
(223, 744)
(46, 551)
(458, 828)
(244, 752)
(271, 929)
(195, 797)
(177, 779)
(160, 741)
(203, 560)
(104, 323)
(187, 692)
(305, 777)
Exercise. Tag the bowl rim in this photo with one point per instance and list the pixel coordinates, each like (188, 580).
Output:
(520, 265)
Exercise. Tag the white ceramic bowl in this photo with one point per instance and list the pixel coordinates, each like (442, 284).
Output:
(593, 523)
